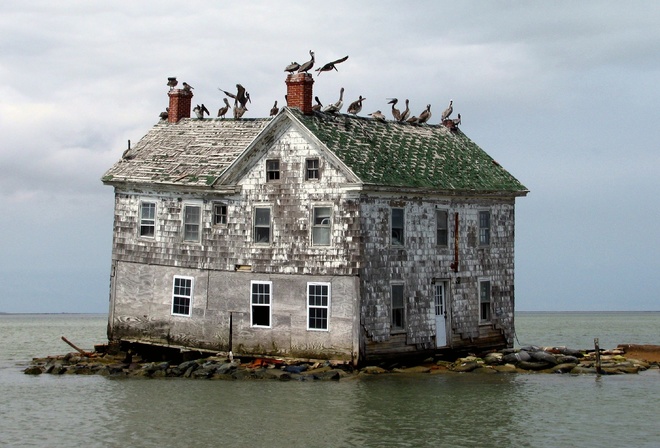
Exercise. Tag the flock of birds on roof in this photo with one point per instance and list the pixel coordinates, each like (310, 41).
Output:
(242, 97)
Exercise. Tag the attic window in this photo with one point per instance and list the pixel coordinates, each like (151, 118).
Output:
(484, 228)
(397, 225)
(441, 227)
(272, 170)
(312, 169)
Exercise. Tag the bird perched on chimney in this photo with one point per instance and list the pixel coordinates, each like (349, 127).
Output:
(164, 115)
(317, 107)
(396, 113)
(223, 110)
(425, 116)
(292, 67)
(378, 115)
(336, 107)
(172, 82)
(448, 110)
(405, 114)
(330, 65)
(187, 87)
(307, 65)
(200, 111)
(274, 110)
(457, 120)
(356, 106)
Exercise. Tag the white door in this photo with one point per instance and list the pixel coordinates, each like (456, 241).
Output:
(440, 302)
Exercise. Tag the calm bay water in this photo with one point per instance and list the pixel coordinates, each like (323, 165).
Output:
(379, 411)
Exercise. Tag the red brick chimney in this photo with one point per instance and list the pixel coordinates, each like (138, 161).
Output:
(180, 100)
(299, 91)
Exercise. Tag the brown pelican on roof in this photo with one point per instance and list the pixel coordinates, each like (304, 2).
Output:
(336, 107)
(378, 115)
(396, 113)
(307, 65)
(330, 65)
(239, 111)
(223, 110)
(274, 110)
(425, 116)
(406, 113)
(412, 120)
(292, 67)
(457, 120)
(200, 111)
(448, 110)
(317, 107)
(163, 115)
(356, 106)
(172, 82)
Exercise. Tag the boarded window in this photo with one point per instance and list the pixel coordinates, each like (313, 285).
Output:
(312, 171)
(321, 227)
(262, 225)
(192, 216)
(260, 303)
(148, 219)
(272, 170)
(398, 309)
(318, 305)
(441, 228)
(397, 225)
(484, 301)
(219, 214)
(484, 228)
(182, 295)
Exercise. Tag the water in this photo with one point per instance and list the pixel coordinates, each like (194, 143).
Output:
(523, 410)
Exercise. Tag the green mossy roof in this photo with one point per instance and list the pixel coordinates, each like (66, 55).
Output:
(396, 154)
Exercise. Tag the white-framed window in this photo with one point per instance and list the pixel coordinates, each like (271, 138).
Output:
(321, 225)
(182, 295)
(442, 233)
(147, 219)
(398, 308)
(192, 222)
(484, 301)
(318, 306)
(312, 169)
(260, 303)
(484, 228)
(272, 170)
(219, 214)
(261, 229)
(397, 226)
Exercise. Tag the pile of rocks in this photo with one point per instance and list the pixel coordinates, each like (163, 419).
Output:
(524, 360)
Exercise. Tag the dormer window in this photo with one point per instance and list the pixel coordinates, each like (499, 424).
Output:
(272, 170)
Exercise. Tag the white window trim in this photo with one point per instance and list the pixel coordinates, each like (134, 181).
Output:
(155, 203)
(192, 291)
(199, 223)
(490, 299)
(312, 225)
(403, 236)
(318, 169)
(270, 303)
(270, 224)
(318, 306)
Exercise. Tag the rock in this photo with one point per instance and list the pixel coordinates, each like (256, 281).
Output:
(542, 356)
(506, 368)
(562, 368)
(373, 370)
(493, 358)
(33, 370)
(515, 358)
(580, 370)
(226, 368)
(533, 365)
(484, 370)
(567, 359)
(416, 369)
(465, 366)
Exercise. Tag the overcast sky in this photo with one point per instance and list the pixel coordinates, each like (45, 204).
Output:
(563, 94)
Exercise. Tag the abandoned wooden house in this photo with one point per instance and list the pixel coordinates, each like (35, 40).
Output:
(311, 234)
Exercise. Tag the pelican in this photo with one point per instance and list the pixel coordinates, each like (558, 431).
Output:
(426, 115)
(163, 115)
(307, 65)
(200, 111)
(356, 106)
(187, 87)
(448, 110)
(172, 82)
(378, 115)
(405, 114)
(330, 65)
(457, 120)
(223, 110)
(239, 111)
(242, 96)
(317, 107)
(274, 110)
(396, 113)
(412, 120)
(336, 107)
(292, 67)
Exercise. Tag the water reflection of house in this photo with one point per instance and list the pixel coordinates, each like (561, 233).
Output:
(311, 235)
